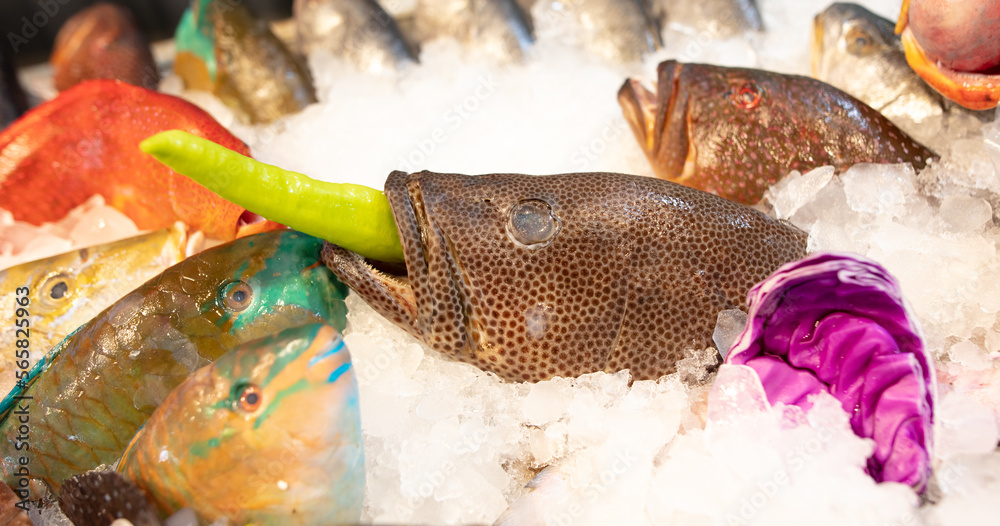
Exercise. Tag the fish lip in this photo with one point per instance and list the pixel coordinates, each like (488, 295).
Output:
(639, 106)
(249, 223)
(649, 114)
(673, 123)
(413, 209)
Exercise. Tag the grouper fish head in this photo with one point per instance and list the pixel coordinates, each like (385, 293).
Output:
(271, 435)
(536, 276)
(736, 131)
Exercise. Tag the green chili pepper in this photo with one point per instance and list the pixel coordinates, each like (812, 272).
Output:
(355, 217)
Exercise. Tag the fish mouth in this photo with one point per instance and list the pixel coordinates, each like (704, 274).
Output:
(662, 123)
(433, 254)
(639, 106)
(430, 293)
(250, 223)
(975, 91)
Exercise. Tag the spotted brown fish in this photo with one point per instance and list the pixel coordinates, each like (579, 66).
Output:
(536, 276)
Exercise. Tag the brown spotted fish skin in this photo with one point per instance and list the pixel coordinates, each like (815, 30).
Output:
(532, 277)
(735, 132)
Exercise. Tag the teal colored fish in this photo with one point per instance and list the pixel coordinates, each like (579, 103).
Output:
(81, 405)
(271, 436)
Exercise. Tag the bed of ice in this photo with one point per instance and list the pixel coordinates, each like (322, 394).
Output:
(447, 443)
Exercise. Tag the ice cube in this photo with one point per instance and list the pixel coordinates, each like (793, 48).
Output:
(728, 327)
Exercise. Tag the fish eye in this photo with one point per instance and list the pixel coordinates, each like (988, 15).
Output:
(748, 96)
(858, 42)
(56, 290)
(247, 398)
(531, 222)
(236, 296)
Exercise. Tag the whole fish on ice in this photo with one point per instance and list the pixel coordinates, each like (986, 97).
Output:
(359, 30)
(99, 385)
(499, 29)
(736, 131)
(858, 51)
(719, 18)
(620, 31)
(102, 42)
(272, 436)
(539, 276)
(224, 48)
(954, 46)
(67, 290)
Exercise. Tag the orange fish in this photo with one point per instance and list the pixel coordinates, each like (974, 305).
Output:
(86, 141)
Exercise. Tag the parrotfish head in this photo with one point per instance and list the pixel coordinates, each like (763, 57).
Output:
(736, 131)
(246, 289)
(532, 277)
(268, 434)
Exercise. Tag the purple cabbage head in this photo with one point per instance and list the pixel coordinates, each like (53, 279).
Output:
(837, 322)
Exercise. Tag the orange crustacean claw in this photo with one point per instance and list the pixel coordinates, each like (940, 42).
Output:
(974, 90)
(86, 141)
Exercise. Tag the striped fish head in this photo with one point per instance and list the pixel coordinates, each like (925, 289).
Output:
(269, 433)
(244, 290)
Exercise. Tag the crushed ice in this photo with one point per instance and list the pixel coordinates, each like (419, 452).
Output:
(447, 443)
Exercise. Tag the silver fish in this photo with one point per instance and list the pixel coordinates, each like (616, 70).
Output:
(618, 30)
(720, 18)
(859, 52)
(358, 30)
(499, 28)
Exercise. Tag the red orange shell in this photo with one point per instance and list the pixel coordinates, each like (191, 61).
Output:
(86, 141)
(954, 48)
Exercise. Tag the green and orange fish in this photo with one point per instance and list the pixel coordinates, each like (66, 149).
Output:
(88, 397)
(272, 436)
